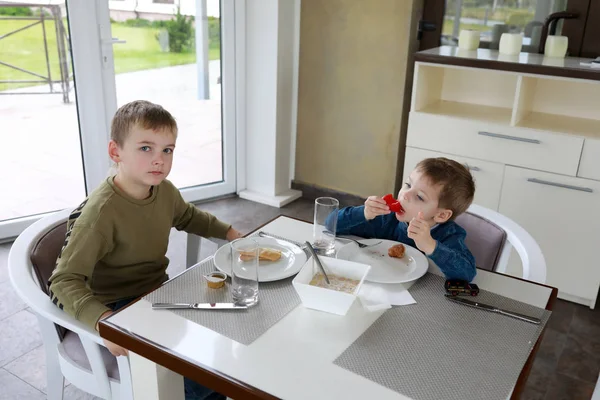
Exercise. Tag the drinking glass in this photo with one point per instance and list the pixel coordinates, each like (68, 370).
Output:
(244, 271)
(324, 225)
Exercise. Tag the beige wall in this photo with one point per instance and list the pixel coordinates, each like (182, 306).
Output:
(353, 63)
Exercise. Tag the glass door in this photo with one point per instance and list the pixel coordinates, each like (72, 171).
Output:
(180, 54)
(43, 164)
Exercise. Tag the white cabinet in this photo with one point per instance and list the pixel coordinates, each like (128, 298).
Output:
(487, 175)
(535, 143)
(562, 214)
(558, 153)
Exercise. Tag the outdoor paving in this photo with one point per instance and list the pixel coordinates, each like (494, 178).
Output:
(40, 134)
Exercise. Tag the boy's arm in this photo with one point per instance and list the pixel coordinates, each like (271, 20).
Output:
(83, 248)
(352, 221)
(192, 220)
(454, 258)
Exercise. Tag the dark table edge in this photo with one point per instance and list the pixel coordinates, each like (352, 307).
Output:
(234, 388)
(548, 70)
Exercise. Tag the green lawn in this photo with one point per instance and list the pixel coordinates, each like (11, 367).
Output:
(25, 50)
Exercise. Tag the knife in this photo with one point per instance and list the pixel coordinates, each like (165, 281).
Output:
(487, 307)
(199, 306)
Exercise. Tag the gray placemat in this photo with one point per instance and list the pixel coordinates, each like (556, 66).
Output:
(437, 349)
(275, 300)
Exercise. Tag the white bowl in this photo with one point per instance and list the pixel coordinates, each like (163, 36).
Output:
(328, 300)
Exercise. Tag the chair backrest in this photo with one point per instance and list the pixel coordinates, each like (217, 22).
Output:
(43, 258)
(484, 238)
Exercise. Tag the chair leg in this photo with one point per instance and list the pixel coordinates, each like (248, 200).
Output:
(55, 380)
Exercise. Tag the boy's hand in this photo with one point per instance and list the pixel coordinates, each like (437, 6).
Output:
(375, 206)
(115, 349)
(420, 231)
(233, 234)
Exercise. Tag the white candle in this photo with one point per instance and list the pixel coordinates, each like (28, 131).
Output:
(556, 46)
(511, 43)
(468, 39)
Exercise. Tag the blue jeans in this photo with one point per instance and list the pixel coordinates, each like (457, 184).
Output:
(193, 390)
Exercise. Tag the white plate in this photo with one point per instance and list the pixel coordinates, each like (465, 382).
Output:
(386, 269)
(291, 261)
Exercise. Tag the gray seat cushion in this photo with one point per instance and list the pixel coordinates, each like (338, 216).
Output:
(485, 239)
(74, 349)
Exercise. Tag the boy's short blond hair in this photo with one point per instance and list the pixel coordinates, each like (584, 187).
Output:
(458, 187)
(144, 114)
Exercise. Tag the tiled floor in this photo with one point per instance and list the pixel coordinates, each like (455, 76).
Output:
(566, 367)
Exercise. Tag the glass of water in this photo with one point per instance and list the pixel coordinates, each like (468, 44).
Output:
(244, 271)
(324, 225)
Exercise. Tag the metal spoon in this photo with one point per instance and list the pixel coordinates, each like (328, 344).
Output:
(316, 258)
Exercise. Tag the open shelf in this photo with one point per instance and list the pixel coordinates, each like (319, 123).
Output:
(499, 115)
(558, 105)
(478, 94)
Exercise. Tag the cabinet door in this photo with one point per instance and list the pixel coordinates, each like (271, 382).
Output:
(487, 175)
(563, 215)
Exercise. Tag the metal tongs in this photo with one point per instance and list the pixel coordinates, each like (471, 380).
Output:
(316, 258)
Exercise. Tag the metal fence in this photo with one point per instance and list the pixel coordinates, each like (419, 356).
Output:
(63, 49)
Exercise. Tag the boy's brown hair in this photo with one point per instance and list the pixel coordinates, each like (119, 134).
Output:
(458, 187)
(142, 113)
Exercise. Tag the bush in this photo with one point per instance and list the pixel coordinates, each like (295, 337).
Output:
(137, 23)
(159, 24)
(181, 33)
(16, 11)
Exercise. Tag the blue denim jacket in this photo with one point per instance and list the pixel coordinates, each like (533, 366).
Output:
(451, 254)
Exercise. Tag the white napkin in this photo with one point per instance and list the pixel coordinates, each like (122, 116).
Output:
(378, 296)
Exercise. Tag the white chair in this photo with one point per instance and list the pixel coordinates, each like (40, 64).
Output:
(73, 350)
(491, 236)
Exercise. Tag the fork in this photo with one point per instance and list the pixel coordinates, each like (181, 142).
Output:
(361, 245)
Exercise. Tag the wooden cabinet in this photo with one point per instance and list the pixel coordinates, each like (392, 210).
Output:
(562, 213)
(533, 145)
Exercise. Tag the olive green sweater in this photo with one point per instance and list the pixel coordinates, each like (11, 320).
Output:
(115, 247)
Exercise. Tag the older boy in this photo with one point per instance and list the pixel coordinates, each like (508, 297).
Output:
(117, 239)
(436, 192)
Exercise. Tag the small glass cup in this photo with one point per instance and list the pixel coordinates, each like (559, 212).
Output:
(325, 225)
(244, 271)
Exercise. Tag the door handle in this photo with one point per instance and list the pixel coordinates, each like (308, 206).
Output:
(508, 137)
(560, 185)
(114, 41)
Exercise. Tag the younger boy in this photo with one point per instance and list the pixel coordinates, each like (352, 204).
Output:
(436, 192)
(116, 240)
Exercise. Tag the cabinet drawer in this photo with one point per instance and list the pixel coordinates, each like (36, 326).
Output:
(590, 160)
(487, 175)
(507, 145)
(563, 216)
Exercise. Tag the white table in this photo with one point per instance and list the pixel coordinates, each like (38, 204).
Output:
(292, 360)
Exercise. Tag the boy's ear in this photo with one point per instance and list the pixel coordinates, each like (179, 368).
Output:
(113, 151)
(442, 215)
